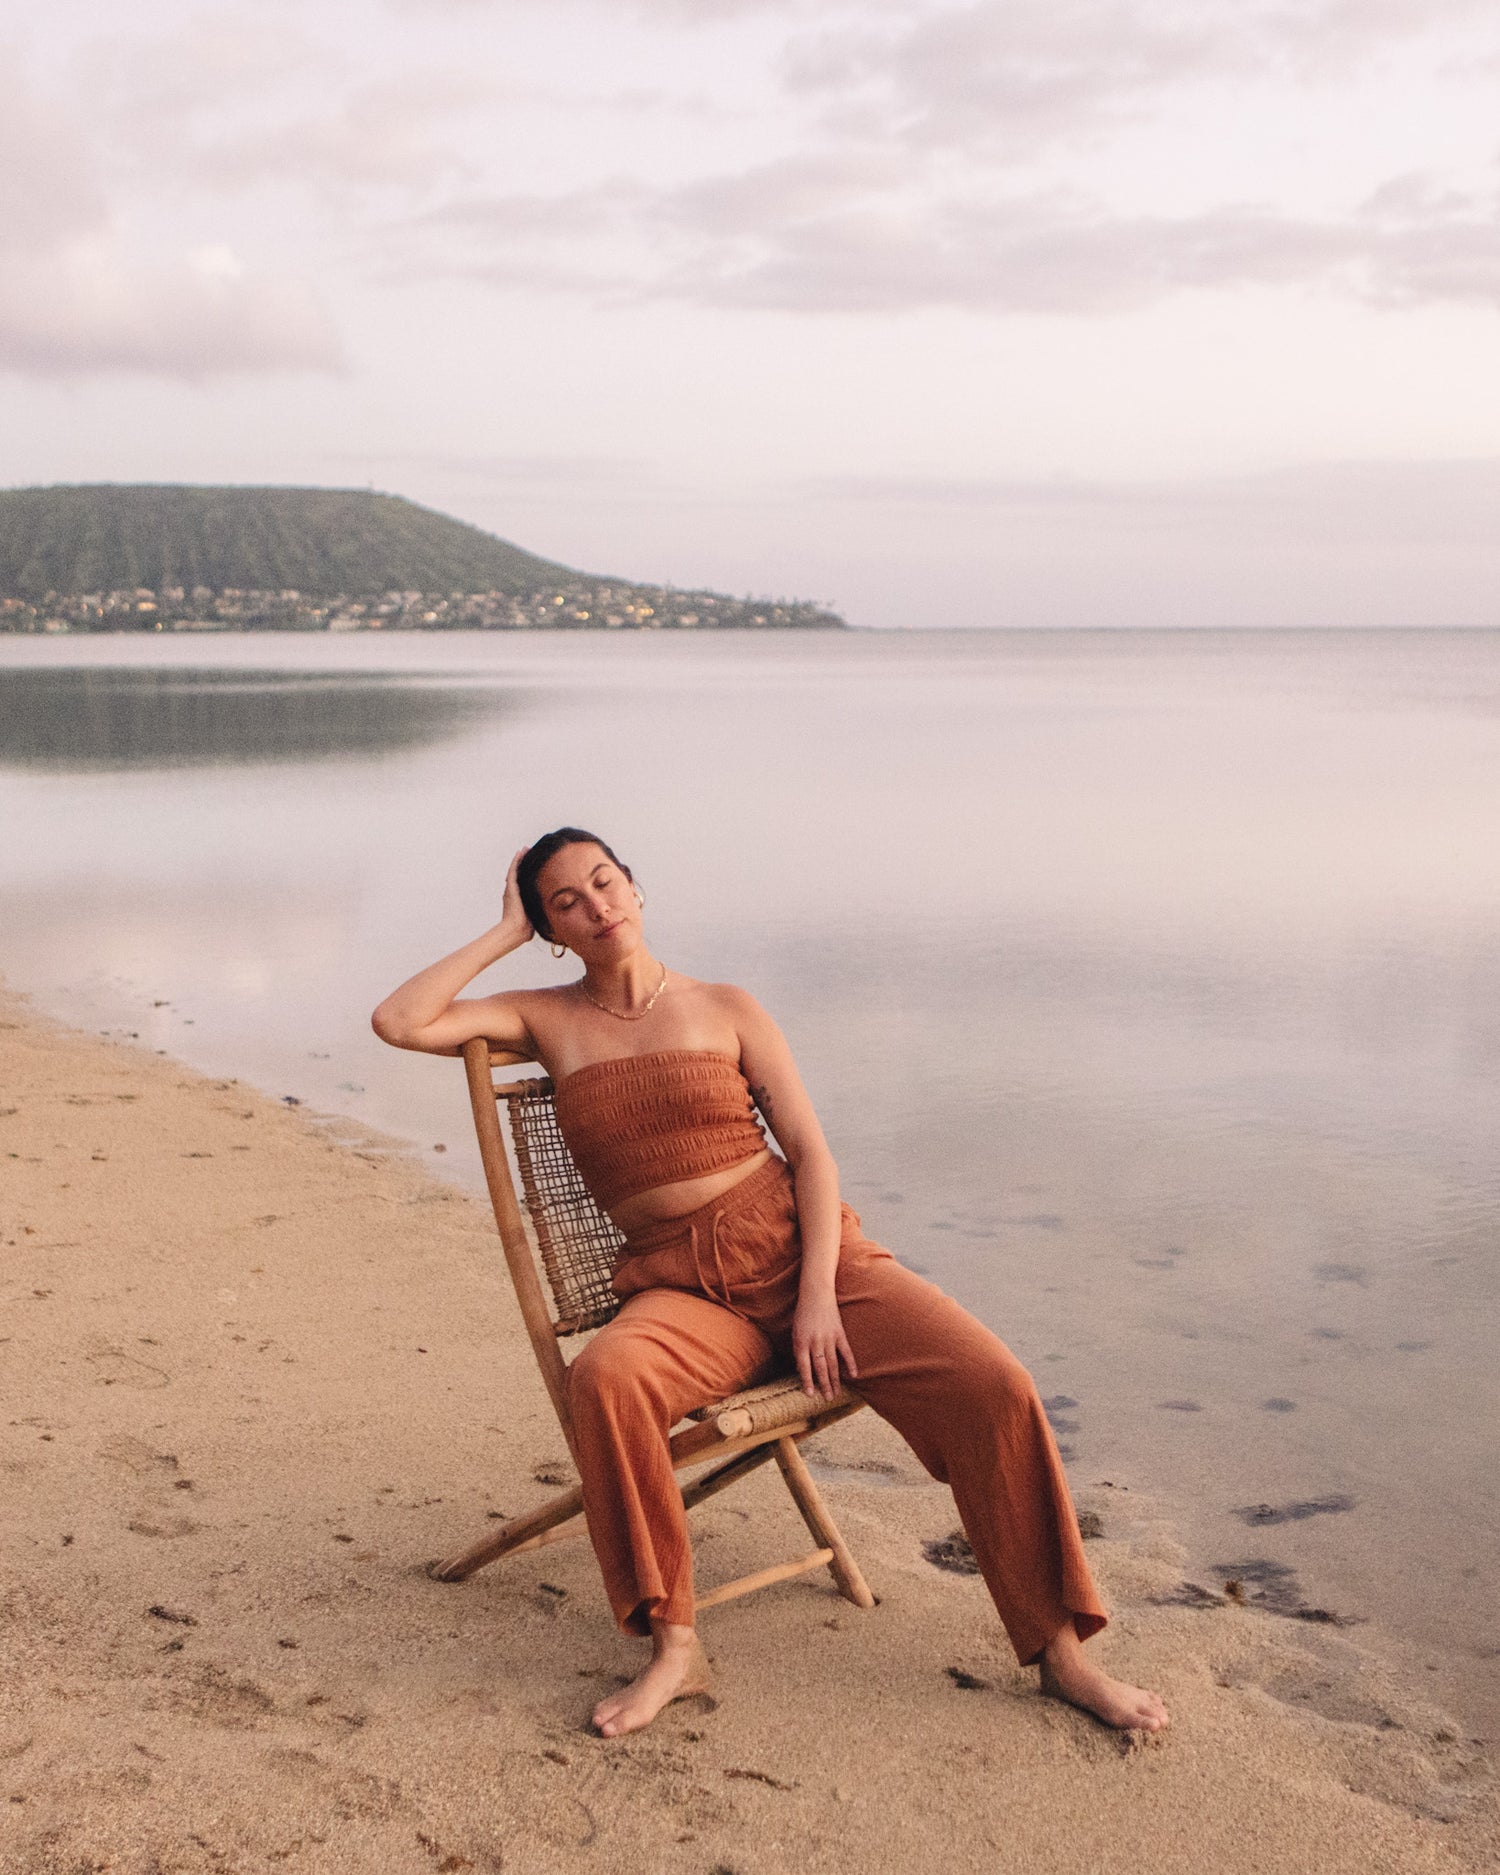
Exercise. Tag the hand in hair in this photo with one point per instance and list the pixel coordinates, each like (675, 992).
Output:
(512, 911)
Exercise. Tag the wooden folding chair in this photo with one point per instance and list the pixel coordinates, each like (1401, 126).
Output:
(578, 1246)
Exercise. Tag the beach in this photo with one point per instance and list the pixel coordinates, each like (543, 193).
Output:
(261, 1366)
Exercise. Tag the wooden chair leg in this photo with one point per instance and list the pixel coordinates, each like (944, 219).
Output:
(514, 1535)
(763, 1579)
(720, 1477)
(824, 1531)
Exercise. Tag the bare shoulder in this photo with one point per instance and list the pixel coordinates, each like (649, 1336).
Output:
(730, 1003)
(543, 1009)
(525, 1003)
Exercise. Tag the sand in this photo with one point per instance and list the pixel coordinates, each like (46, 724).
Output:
(256, 1373)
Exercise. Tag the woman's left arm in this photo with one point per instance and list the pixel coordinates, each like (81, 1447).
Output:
(818, 1340)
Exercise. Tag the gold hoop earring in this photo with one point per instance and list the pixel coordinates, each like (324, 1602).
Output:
(640, 896)
(558, 950)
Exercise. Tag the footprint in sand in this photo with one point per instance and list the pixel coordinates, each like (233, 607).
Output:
(1342, 1273)
(137, 1455)
(114, 1368)
(212, 1694)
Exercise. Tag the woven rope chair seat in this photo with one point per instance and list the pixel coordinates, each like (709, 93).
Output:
(778, 1402)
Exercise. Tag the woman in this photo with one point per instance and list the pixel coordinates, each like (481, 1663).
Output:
(735, 1260)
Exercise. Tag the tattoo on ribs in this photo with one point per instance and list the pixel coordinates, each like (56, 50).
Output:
(762, 1097)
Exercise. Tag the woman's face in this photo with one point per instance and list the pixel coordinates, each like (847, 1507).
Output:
(590, 904)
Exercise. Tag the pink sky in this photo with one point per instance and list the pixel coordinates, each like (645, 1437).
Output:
(1006, 312)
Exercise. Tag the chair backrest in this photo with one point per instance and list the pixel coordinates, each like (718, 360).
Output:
(580, 1245)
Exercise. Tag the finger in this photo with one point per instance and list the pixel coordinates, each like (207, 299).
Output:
(820, 1363)
(846, 1353)
(804, 1368)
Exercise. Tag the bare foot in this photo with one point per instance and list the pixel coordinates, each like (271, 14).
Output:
(678, 1669)
(1069, 1674)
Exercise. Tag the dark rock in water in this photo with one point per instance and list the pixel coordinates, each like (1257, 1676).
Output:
(1057, 1413)
(1273, 1586)
(1278, 1405)
(953, 1553)
(1189, 1595)
(1178, 1406)
(1260, 1514)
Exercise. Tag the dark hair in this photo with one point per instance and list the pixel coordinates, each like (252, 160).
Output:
(537, 855)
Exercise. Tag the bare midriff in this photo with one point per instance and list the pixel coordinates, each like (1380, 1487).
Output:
(664, 1202)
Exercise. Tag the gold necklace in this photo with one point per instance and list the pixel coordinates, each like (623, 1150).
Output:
(627, 1015)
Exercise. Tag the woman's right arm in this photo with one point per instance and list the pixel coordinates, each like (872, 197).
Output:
(425, 1014)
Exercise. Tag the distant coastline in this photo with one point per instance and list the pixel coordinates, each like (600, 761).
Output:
(181, 558)
(568, 606)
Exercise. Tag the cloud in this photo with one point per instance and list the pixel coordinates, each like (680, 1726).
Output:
(387, 133)
(925, 178)
(690, 13)
(246, 106)
(47, 190)
(856, 233)
(76, 299)
(1436, 503)
(998, 73)
(1332, 543)
(988, 74)
(592, 475)
(89, 308)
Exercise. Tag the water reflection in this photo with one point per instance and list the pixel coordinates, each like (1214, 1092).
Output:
(119, 718)
(1146, 986)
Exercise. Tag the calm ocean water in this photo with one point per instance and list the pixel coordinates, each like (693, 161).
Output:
(1148, 984)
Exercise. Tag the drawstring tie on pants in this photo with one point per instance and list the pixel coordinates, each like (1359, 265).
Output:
(721, 1294)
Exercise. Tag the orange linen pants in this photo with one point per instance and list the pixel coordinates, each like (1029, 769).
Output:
(708, 1309)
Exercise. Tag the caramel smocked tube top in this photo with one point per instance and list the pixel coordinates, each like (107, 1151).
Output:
(646, 1120)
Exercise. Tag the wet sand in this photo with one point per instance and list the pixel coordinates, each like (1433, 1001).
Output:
(259, 1370)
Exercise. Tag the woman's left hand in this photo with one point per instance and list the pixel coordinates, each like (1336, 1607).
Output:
(819, 1344)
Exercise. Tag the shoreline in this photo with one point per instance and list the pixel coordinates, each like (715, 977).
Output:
(268, 1373)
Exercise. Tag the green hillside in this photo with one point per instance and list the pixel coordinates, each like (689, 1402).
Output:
(315, 541)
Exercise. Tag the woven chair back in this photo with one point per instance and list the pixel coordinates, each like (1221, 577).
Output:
(579, 1244)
